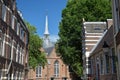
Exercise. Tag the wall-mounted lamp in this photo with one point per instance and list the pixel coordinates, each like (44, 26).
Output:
(105, 47)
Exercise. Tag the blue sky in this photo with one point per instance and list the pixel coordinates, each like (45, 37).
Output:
(34, 11)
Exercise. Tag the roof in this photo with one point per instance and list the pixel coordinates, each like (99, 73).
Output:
(108, 37)
(48, 50)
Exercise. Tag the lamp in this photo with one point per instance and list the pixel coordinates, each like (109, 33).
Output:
(105, 47)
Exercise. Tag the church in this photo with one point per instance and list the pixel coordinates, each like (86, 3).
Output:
(55, 68)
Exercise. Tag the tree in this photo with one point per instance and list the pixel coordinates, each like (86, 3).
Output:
(36, 56)
(69, 46)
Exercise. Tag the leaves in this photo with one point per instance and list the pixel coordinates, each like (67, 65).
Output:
(69, 46)
(36, 57)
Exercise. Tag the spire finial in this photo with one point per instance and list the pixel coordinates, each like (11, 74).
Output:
(46, 26)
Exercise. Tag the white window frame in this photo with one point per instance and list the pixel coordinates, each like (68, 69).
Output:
(20, 55)
(23, 51)
(4, 42)
(22, 34)
(17, 52)
(12, 45)
(56, 69)
(12, 21)
(18, 28)
(4, 12)
(38, 71)
(97, 60)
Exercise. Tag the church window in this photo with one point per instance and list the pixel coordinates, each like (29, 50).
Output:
(56, 69)
(39, 71)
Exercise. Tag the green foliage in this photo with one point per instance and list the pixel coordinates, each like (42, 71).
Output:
(36, 57)
(69, 46)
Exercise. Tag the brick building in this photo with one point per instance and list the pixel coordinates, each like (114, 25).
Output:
(102, 57)
(55, 69)
(116, 25)
(13, 42)
(92, 32)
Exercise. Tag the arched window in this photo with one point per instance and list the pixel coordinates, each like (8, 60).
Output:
(56, 69)
(39, 71)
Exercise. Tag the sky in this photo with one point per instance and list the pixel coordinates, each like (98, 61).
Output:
(34, 12)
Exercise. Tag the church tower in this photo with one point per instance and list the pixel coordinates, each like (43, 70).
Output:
(46, 39)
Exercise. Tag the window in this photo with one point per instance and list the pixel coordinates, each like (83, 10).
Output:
(107, 63)
(9, 47)
(56, 68)
(15, 24)
(4, 10)
(92, 66)
(1, 42)
(18, 53)
(18, 28)
(12, 44)
(97, 28)
(39, 71)
(26, 38)
(15, 75)
(102, 64)
(22, 56)
(12, 21)
(22, 34)
(14, 50)
(113, 61)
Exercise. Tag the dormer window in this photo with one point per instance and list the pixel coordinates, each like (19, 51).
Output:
(97, 28)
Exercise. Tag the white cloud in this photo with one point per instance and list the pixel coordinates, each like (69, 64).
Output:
(54, 38)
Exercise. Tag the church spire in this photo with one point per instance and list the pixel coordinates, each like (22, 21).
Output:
(46, 33)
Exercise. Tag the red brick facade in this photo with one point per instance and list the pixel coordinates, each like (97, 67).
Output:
(48, 72)
(103, 64)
